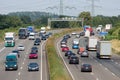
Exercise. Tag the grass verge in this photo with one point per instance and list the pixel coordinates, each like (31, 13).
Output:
(57, 69)
(116, 46)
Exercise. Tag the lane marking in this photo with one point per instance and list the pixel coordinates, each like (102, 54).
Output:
(24, 59)
(100, 64)
(19, 73)
(112, 60)
(23, 63)
(2, 49)
(116, 62)
(92, 73)
(97, 78)
(21, 68)
(41, 59)
(106, 69)
(16, 79)
(64, 61)
(113, 74)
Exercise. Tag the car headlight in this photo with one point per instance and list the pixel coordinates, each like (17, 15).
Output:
(15, 65)
(36, 67)
(6, 65)
(29, 67)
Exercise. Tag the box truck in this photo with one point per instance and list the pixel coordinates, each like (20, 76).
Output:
(103, 49)
(87, 33)
(92, 43)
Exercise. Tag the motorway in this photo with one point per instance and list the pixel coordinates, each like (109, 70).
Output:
(22, 72)
(102, 69)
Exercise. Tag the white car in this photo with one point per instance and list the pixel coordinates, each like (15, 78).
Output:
(63, 45)
(21, 48)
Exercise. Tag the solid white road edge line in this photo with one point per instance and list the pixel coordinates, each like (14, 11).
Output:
(41, 58)
(65, 63)
(2, 49)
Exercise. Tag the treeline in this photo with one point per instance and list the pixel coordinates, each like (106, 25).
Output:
(23, 19)
(41, 19)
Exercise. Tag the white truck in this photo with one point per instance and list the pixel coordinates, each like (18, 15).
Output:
(87, 33)
(31, 36)
(103, 49)
(9, 39)
(92, 43)
(99, 28)
(43, 30)
(108, 27)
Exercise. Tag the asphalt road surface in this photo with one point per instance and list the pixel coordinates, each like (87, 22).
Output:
(101, 69)
(22, 72)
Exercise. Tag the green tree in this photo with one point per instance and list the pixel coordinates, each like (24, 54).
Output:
(87, 17)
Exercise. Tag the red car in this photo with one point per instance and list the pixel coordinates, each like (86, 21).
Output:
(33, 55)
(64, 49)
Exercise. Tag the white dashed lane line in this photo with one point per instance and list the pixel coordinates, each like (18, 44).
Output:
(2, 49)
(113, 74)
(21, 67)
(92, 73)
(106, 69)
(19, 73)
(97, 78)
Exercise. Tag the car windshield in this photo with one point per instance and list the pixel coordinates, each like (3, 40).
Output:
(33, 64)
(34, 47)
(15, 51)
(20, 46)
(87, 65)
(74, 57)
(33, 52)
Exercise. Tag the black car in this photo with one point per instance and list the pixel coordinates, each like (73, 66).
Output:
(68, 52)
(50, 33)
(33, 66)
(82, 33)
(74, 60)
(63, 41)
(16, 51)
(71, 54)
(68, 36)
(43, 37)
(47, 35)
(38, 39)
(36, 42)
(34, 49)
(86, 68)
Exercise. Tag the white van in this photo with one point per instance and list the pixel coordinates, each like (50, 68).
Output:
(32, 36)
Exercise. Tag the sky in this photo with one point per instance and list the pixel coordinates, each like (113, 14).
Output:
(70, 7)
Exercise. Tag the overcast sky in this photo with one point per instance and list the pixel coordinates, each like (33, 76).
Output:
(102, 7)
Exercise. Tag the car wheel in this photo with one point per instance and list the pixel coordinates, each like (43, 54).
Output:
(69, 62)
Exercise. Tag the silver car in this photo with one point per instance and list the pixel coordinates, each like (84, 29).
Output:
(21, 48)
(84, 54)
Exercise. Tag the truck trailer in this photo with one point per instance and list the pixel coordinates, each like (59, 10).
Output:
(103, 49)
(92, 43)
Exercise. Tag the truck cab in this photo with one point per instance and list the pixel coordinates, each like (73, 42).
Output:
(11, 62)
(9, 39)
(23, 33)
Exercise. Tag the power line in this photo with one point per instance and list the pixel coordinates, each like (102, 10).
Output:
(61, 7)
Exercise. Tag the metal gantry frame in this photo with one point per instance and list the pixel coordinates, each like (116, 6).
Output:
(65, 19)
